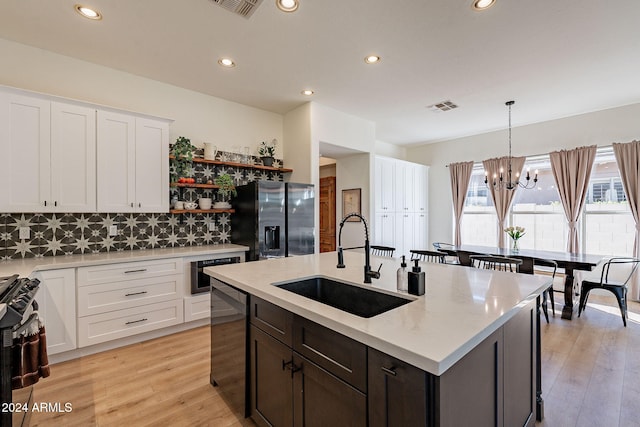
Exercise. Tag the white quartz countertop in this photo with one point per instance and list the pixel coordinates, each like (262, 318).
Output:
(24, 267)
(461, 307)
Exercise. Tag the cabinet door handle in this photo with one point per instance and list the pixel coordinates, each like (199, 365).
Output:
(135, 293)
(389, 371)
(131, 204)
(45, 203)
(136, 321)
(55, 203)
(136, 271)
(289, 365)
(139, 204)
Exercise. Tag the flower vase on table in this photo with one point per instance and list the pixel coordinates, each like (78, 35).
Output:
(515, 232)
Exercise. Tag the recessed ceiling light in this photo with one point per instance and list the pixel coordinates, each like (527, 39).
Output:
(287, 5)
(226, 62)
(483, 4)
(371, 59)
(88, 12)
(307, 92)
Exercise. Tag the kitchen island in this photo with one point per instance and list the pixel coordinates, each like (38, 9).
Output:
(473, 335)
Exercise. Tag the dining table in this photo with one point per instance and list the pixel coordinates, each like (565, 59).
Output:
(569, 262)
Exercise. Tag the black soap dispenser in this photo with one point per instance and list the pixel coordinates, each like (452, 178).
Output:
(416, 280)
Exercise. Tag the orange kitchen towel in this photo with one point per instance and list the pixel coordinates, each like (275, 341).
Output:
(30, 361)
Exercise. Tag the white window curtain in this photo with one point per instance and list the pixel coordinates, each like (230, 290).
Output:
(460, 177)
(502, 198)
(572, 171)
(628, 158)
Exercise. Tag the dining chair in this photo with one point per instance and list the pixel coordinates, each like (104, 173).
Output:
(495, 262)
(548, 293)
(621, 266)
(464, 258)
(444, 247)
(428, 256)
(382, 250)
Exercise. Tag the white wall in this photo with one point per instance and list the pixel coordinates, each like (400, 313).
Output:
(390, 150)
(337, 128)
(298, 154)
(341, 129)
(602, 128)
(353, 172)
(200, 117)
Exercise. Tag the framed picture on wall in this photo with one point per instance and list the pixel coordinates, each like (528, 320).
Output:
(351, 203)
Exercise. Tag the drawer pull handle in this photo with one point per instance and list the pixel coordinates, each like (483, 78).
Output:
(136, 321)
(135, 293)
(136, 271)
(389, 371)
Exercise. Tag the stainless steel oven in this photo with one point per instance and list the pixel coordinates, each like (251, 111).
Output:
(200, 282)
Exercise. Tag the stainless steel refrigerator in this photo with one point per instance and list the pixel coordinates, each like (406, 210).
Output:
(274, 219)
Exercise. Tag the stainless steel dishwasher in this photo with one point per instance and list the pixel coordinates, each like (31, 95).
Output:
(230, 345)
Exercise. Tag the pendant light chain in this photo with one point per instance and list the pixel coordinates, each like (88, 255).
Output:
(509, 184)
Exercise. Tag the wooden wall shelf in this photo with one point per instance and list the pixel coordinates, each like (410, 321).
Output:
(185, 185)
(204, 211)
(239, 165)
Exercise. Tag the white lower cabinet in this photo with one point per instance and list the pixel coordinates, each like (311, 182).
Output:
(123, 323)
(124, 299)
(56, 299)
(197, 307)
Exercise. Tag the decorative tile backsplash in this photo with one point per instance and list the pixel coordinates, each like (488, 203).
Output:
(56, 234)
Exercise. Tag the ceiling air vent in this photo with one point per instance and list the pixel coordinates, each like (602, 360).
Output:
(241, 7)
(442, 106)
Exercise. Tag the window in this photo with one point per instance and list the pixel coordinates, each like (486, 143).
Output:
(607, 221)
(540, 211)
(479, 220)
(606, 226)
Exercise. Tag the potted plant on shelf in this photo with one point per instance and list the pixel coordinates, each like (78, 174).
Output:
(267, 151)
(226, 189)
(182, 151)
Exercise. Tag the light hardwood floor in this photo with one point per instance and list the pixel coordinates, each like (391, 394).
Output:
(591, 377)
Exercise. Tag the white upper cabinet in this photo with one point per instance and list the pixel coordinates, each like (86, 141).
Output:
(384, 178)
(116, 162)
(152, 165)
(133, 164)
(73, 158)
(50, 155)
(420, 188)
(401, 205)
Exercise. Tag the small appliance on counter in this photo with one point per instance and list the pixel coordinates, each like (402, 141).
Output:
(275, 219)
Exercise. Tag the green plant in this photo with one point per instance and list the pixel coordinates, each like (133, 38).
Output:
(515, 232)
(268, 149)
(225, 186)
(182, 151)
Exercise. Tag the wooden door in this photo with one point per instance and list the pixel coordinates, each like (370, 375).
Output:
(272, 367)
(397, 392)
(328, 214)
(321, 399)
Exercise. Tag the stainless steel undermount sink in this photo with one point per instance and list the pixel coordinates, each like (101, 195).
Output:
(346, 297)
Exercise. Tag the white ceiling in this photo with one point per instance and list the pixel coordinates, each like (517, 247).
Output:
(555, 58)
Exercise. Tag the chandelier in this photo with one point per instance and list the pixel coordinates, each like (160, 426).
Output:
(507, 182)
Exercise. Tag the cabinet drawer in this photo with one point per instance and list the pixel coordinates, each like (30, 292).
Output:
(274, 320)
(97, 274)
(123, 323)
(340, 355)
(107, 297)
